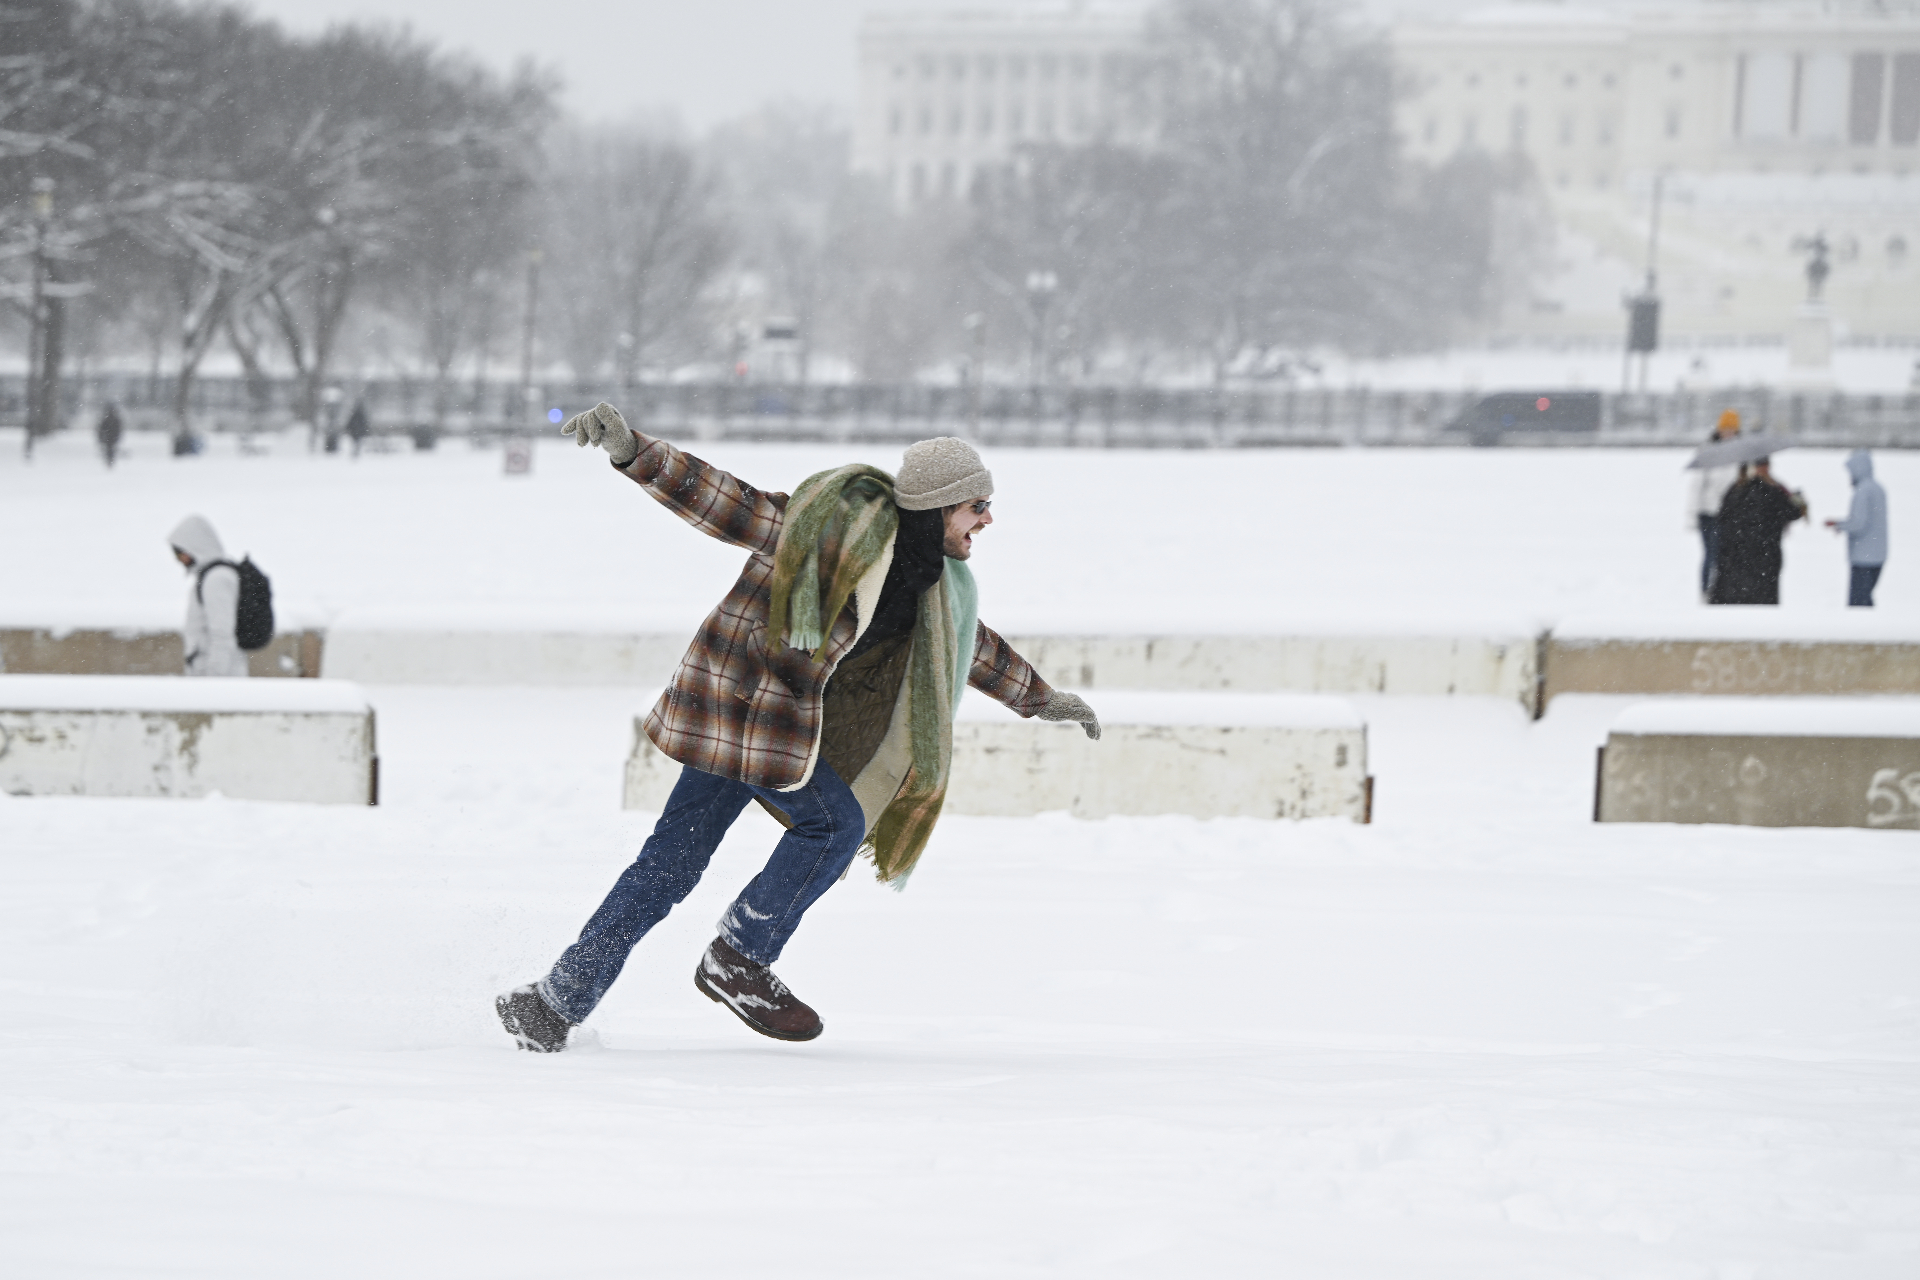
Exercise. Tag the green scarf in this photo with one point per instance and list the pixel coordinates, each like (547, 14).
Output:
(836, 527)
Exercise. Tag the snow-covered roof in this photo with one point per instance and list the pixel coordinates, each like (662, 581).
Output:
(171, 694)
(1773, 717)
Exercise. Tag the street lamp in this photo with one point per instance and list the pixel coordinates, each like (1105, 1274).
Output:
(975, 324)
(42, 205)
(1040, 290)
(534, 257)
(1643, 308)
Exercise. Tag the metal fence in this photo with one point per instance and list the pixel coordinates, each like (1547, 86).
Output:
(1080, 416)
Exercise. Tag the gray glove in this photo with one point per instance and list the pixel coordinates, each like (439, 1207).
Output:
(603, 425)
(1071, 706)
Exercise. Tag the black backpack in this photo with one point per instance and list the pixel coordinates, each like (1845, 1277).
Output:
(253, 620)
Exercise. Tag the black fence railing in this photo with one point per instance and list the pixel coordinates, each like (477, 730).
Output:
(1093, 416)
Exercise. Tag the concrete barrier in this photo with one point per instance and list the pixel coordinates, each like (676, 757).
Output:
(126, 651)
(306, 740)
(379, 650)
(1251, 757)
(1733, 651)
(1502, 666)
(1764, 762)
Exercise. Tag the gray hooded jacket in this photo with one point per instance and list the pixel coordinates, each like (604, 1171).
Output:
(1866, 522)
(213, 603)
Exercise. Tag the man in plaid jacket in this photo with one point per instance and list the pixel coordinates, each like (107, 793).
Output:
(752, 721)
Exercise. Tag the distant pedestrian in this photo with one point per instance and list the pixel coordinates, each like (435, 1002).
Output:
(1866, 530)
(1753, 517)
(213, 606)
(109, 431)
(358, 426)
(1710, 485)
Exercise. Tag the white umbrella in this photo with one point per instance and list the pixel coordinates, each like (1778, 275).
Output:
(1736, 449)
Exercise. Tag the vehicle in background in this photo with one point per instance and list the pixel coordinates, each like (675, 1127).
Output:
(1505, 414)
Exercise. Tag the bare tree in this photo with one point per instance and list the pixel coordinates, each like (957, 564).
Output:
(1079, 221)
(1295, 220)
(789, 190)
(636, 236)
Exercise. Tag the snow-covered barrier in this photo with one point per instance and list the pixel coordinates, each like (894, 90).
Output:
(126, 651)
(1502, 666)
(392, 648)
(1764, 762)
(303, 740)
(1273, 756)
(59, 637)
(1732, 650)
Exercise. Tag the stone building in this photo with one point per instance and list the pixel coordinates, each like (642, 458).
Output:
(1766, 122)
(947, 97)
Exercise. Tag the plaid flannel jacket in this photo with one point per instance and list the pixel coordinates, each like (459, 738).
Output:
(733, 709)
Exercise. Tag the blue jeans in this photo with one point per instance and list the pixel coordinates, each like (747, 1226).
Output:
(827, 829)
(1710, 544)
(1860, 589)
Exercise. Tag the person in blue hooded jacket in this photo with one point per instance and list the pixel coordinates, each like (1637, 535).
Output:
(1866, 530)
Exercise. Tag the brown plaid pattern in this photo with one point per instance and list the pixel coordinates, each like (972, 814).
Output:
(732, 709)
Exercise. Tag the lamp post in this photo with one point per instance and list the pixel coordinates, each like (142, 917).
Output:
(975, 324)
(42, 199)
(1643, 308)
(526, 333)
(1040, 290)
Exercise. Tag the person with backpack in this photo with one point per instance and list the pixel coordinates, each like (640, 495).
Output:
(229, 609)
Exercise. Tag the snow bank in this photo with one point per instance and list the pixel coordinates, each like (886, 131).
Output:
(1775, 717)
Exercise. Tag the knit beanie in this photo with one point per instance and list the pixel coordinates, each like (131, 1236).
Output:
(939, 473)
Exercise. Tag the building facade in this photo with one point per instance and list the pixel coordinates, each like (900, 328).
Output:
(945, 98)
(1761, 124)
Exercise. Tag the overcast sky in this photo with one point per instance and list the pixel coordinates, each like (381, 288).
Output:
(705, 60)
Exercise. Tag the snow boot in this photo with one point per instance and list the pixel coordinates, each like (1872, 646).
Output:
(756, 997)
(531, 1021)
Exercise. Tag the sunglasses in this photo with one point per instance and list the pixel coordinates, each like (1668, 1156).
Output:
(980, 508)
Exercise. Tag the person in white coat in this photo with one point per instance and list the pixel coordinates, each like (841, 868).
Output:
(213, 603)
(1704, 496)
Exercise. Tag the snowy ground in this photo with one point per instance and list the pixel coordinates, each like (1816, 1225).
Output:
(1470, 542)
(1482, 1038)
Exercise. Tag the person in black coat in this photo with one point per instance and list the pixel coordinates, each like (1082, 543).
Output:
(1753, 518)
(109, 431)
(358, 426)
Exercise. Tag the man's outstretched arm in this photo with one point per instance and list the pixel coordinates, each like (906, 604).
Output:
(712, 501)
(1009, 679)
